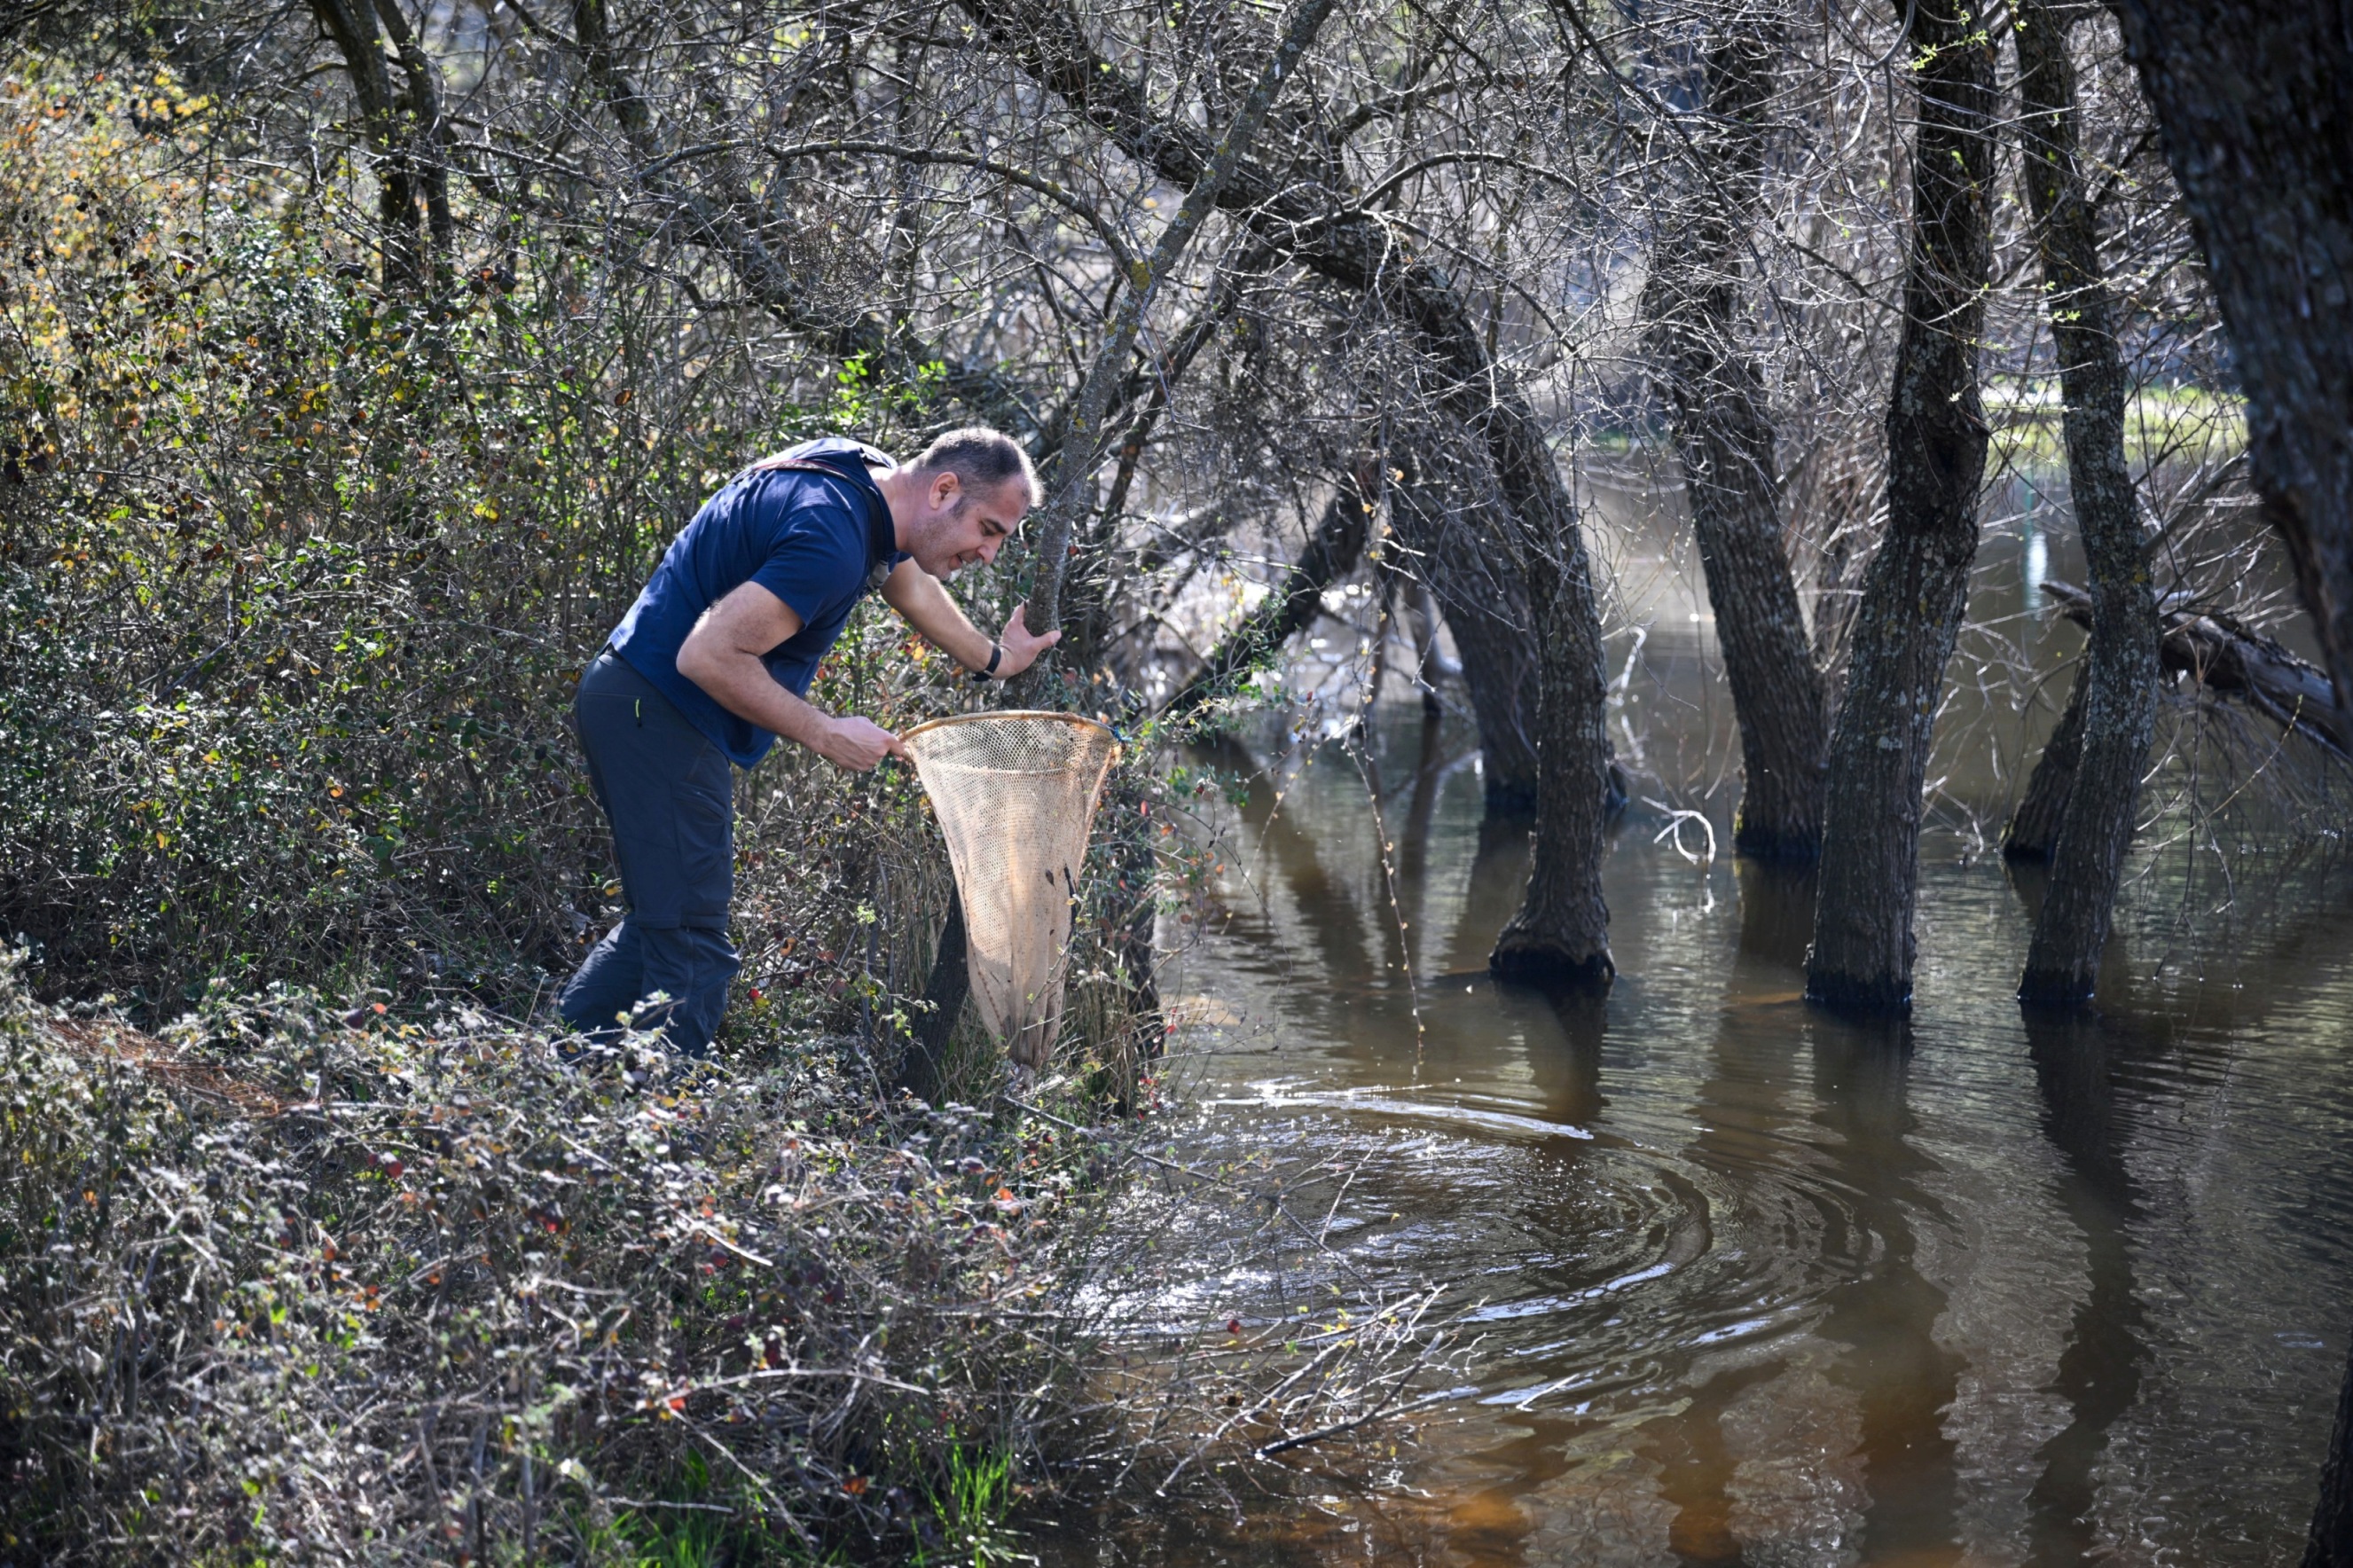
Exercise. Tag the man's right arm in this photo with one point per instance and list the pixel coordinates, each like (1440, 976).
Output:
(721, 655)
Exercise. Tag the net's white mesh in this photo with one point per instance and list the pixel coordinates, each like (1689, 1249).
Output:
(1015, 794)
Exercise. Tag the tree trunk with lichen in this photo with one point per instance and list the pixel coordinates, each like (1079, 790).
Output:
(1715, 398)
(1917, 586)
(1070, 486)
(2254, 112)
(2118, 680)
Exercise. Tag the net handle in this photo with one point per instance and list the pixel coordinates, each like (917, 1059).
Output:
(1079, 719)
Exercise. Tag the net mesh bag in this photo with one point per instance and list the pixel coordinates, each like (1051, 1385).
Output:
(1015, 794)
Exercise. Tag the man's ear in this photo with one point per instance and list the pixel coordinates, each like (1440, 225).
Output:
(944, 489)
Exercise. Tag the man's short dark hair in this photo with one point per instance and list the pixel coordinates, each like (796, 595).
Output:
(980, 458)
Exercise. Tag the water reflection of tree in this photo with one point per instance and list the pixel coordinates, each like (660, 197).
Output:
(1780, 1449)
(2099, 1372)
(1742, 1110)
(1328, 910)
(1886, 1311)
(2085, 1065)
(1400, 834)
(1498, 866)
(1879, 1464)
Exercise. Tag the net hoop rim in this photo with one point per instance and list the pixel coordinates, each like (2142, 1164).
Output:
(1077, 719)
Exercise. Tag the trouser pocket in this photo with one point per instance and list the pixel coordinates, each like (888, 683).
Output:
(705, 818)
(667, 792)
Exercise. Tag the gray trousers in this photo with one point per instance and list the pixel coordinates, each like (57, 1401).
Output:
(668, 793)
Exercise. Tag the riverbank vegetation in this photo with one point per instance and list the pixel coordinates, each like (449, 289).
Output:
(288, 1286)
(314, 1252)
(357, 360)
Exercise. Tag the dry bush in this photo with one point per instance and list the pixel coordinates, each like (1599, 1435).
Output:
(310, 1288)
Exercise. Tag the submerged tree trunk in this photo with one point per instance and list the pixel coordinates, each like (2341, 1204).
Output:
(1497, 642)
(2120, 670)
(2330, 1544)
(1560, 938)
(2255, 107)
(2218, 651)
(1132, 913)
(2033, 827)
(1917, 587)
(1714, 397)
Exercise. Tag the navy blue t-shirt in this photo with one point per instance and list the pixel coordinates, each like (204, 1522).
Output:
(812, 539)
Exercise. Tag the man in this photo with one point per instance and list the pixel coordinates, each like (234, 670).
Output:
(714, 662)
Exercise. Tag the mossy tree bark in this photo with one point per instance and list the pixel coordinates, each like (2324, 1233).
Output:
(2118, 680)
(2255, 110)
(1917, 586)
(1714, 397)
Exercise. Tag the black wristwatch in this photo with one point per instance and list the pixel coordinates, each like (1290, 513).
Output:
(996, 656)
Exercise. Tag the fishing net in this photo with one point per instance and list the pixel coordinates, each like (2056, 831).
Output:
(1015, 794)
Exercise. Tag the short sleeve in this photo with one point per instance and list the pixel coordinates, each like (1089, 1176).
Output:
(812, 560)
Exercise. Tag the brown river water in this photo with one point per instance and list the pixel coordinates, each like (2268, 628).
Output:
(1751, 1285)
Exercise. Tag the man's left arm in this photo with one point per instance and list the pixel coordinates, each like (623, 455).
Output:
(924, 602)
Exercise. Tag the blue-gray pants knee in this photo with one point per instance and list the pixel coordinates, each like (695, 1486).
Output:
(667, 792)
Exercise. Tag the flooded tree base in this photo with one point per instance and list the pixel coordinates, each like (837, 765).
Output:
(1753, 1280)
(2055, 988)
(1800, 846)
(1875, 998)
(1549, 969)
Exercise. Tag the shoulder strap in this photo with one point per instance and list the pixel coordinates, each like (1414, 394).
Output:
(879, 542)
(799, 465)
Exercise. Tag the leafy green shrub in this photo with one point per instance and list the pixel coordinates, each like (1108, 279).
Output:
(295, 577)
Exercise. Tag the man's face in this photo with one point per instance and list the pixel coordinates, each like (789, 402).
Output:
(964, 526)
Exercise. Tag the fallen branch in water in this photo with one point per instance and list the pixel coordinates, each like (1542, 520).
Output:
(2223, 655)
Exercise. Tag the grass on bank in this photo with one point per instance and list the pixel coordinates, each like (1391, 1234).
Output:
(2164, 423)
